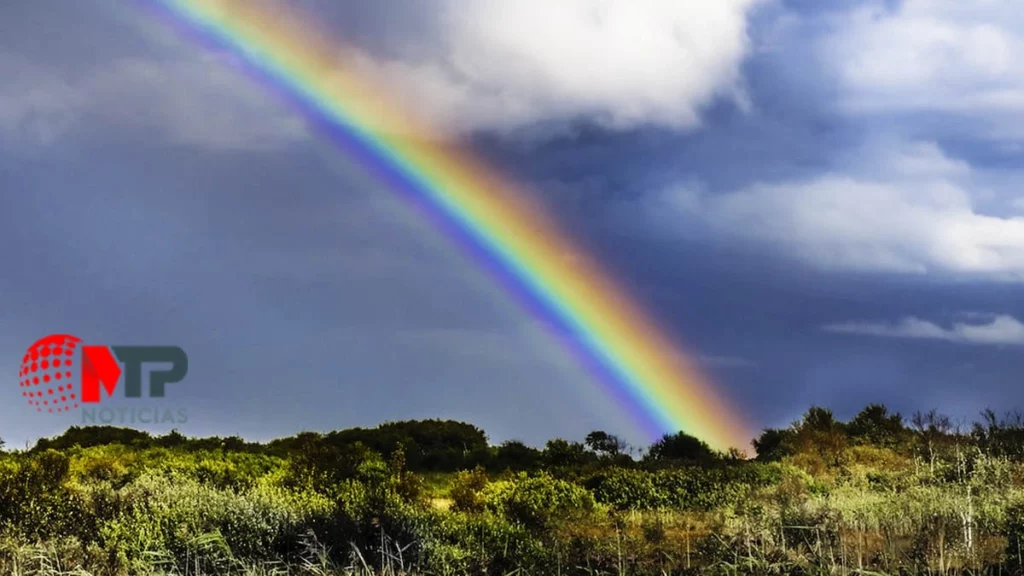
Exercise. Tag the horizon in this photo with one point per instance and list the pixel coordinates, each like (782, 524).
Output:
(958, 426)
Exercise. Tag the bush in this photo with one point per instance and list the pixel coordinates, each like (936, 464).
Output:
(537, 502)
(460, 543)
(175, 516)
(467, 488)
(703, 489)
(625, 489)
(34, 498)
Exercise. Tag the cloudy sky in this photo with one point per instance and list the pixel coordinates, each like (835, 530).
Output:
(822, 200)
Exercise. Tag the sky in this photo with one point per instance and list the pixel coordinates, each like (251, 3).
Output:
(821, 201)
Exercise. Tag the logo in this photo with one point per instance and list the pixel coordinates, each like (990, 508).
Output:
(59, 373)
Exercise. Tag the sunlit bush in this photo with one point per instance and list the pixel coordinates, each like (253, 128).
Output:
(537, 501)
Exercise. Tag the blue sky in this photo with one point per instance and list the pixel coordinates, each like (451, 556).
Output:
(822, 200)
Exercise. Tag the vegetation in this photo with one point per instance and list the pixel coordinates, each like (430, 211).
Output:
(878, 494)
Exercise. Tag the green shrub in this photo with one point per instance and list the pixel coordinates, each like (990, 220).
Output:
(175, 516)
(538, 501)
(625, 489)
(459, 543)
(34, 499)
(467, 489)
(699, 489)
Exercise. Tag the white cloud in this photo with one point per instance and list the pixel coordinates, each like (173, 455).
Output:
(910, 209)
(504, 65)
(890, 157)
(1000, 330)
(193, 100)
(36, 106)
(932, 55)
(489, 65)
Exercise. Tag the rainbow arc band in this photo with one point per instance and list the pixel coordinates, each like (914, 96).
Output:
(521, 248)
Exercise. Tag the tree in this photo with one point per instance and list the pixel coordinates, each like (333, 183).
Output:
(932, 432)
(819, 419)
(876, 426)
(774, 444)
(605, 444)
(515, 455)
(89, 436)
(820, 434)
(560, 453)
(734, 454)
(1002, 437)
(681, 446)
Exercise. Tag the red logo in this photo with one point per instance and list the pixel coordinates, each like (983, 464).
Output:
(49, 372)
(55, 378)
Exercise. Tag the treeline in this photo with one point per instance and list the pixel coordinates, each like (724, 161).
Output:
(426, 446)
(928, 434)
(449, 446)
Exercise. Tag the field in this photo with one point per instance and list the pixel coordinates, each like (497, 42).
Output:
(879, 494)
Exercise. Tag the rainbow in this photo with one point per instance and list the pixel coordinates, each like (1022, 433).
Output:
(497, 225)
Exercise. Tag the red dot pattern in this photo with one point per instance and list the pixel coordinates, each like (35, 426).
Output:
(48, 360)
